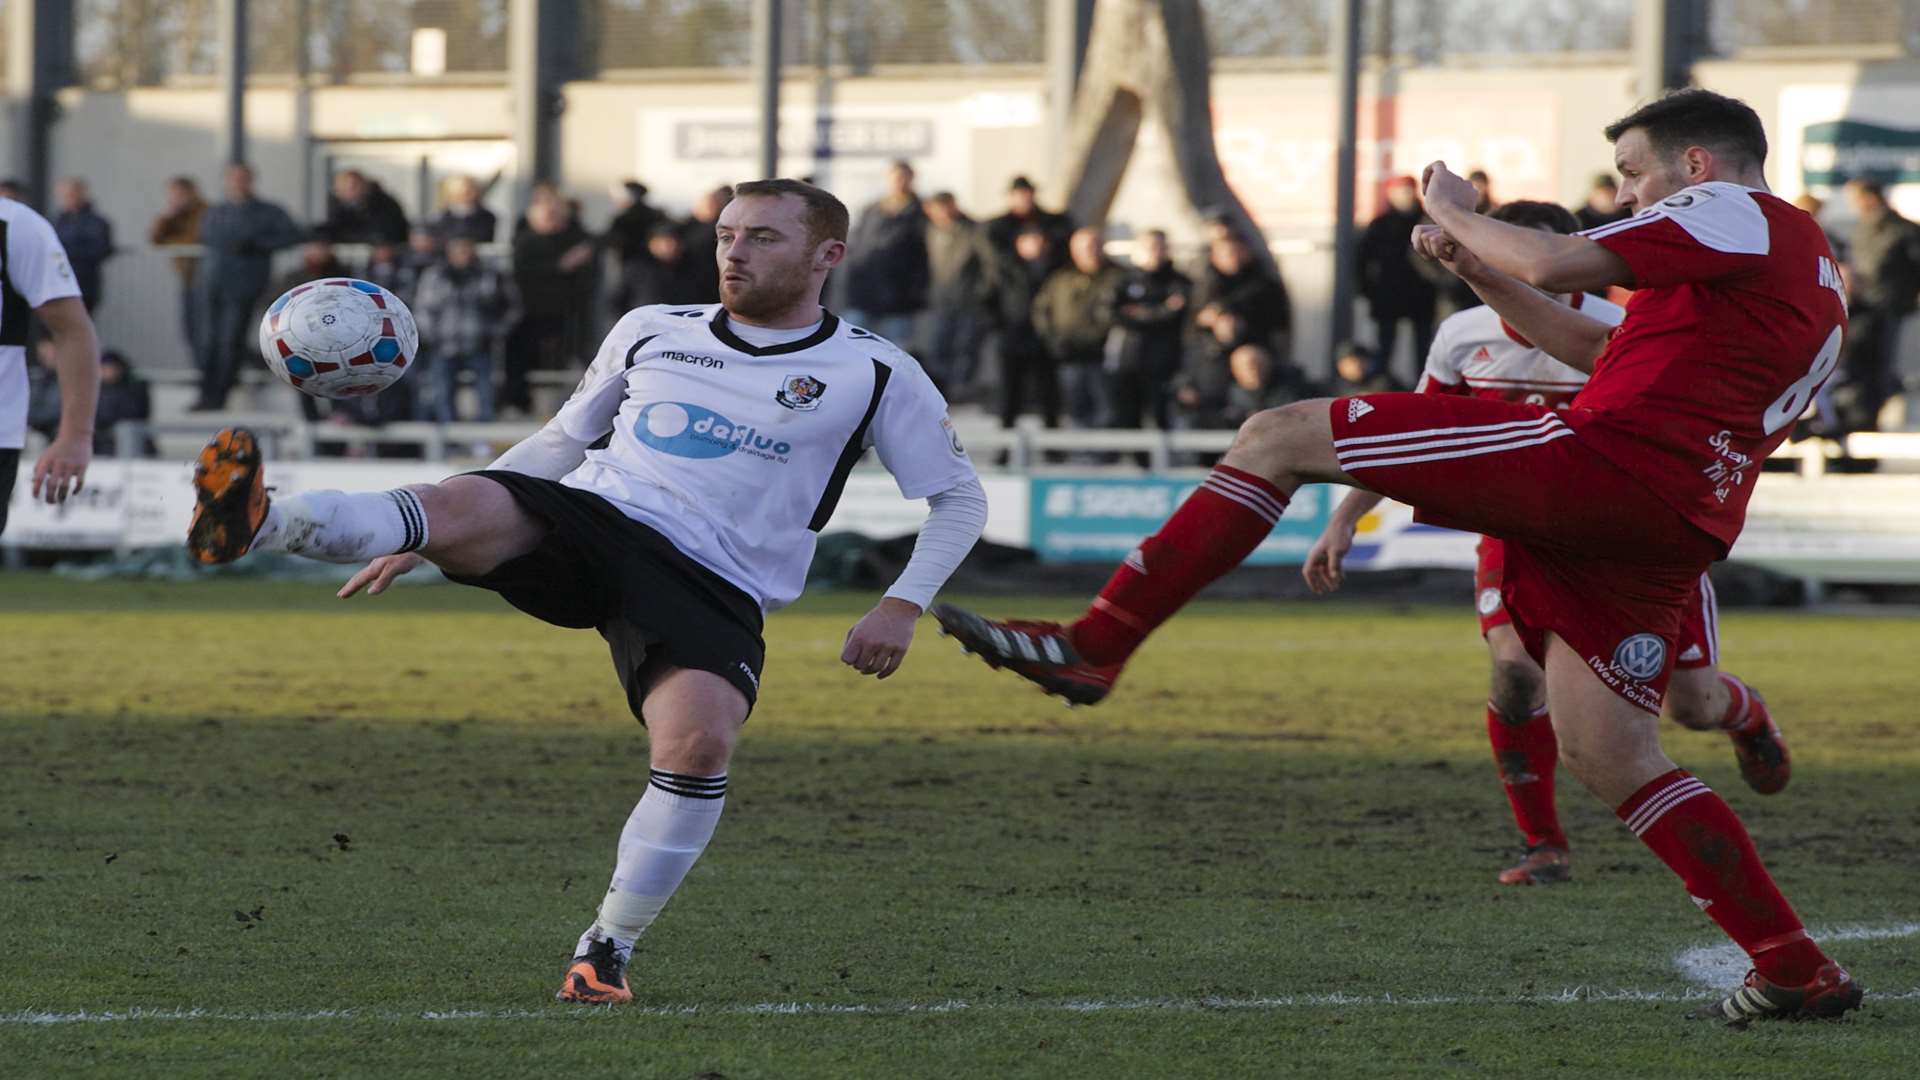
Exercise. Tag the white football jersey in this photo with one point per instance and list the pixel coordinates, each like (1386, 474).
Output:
(738, 453)
(33, 270)
(1475, 352)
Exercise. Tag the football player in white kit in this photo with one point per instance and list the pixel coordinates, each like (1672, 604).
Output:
(36, 280)
(673, 500)
(1475, 352)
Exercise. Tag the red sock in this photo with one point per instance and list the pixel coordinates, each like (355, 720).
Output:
(1217, 527)
(1697, 835)
(1526, 754)
(1739, 702)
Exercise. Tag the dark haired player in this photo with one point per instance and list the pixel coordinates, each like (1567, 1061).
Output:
(673, 500)
(1611, 510)
(1476, 352)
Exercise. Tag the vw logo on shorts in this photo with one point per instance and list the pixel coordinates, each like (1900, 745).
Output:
(1641, 657)
(694, 431)
(1489, 601)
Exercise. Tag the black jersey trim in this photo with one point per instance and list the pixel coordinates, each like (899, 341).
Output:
(856, 446)
(637, 346)
(829, 323)
(13, 306)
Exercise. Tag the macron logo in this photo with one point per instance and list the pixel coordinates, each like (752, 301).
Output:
(1357, 409)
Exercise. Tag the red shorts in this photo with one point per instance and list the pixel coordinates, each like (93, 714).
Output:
(1698, 644)
(1592, 556)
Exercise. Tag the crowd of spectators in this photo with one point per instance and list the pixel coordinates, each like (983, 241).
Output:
(1022, 313)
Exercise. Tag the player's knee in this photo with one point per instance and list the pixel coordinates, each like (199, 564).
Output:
(474, 524)
(695, 749)
(1690, 709)
(1515, 690)
(1271, 438)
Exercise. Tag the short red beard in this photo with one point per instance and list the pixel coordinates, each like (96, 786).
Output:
(764, 296)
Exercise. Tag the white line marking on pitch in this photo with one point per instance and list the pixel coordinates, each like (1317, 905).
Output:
(1570, 996)
(1724, 965)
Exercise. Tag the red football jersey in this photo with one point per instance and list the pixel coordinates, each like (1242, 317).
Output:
(1475, 352)
(1735, 323)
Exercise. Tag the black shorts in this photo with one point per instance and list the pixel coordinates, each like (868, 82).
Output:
(9, 470)
(600, 569)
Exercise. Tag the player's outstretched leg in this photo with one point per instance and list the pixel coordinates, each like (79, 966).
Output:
(464, 524)
(1210, 533)
(1614, 748)
(693, 719)
(1707, 699)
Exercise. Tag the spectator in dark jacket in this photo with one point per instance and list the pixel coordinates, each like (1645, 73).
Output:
(702, 245)
(463, 307)
(960, 266)
(86, 235)
(886, 271)
(463, 215)
(668, 274)
(1233, 281)
(631, 230)
(240, 235)
(1028, 374)
(1074, 316)
(553, 272)
(1393, 287)
(179, 225)
(359, 211)
(1884, 257)
(1024, 212)
(1150, 311)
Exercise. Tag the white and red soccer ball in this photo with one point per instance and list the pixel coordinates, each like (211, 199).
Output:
(339, 338)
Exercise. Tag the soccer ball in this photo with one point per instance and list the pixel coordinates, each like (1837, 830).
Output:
(339, 338)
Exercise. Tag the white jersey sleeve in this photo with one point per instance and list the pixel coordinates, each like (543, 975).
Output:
(913, 435)
(36, 264)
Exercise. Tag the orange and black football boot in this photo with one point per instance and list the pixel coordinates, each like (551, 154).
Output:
(1040, 652)
(1543, 865)
(1831, 993)
(230, 497)
(597, 976)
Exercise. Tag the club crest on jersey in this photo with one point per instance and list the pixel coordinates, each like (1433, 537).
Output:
(1357, 409)
(1641, 657)
(800, 392)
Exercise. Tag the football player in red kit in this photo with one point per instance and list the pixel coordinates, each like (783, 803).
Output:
(1475, 352)
(1610, 510)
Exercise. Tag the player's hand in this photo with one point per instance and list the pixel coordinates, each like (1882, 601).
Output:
(1325, 565)
(380, 574)
(1443, 189)
(878, 642)
(61, 469)
(1437, 244)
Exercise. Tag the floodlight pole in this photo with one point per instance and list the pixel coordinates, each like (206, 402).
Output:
(766, 68)
(233, 71)
(1346, 44)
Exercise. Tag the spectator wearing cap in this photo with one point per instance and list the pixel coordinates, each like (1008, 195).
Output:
(1023, 210)
(886, 272)
(1389, 279)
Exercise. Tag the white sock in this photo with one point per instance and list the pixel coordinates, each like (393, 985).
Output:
(666, 832)
(337, 526)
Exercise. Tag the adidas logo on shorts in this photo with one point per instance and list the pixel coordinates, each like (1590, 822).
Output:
(1357, 409)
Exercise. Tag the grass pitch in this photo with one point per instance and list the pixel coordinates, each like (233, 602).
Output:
(246, 829)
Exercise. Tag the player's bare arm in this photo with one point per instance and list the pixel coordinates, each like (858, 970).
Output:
(1325, 568)
(62, 467)
(1567, 335)
(1560, 264)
